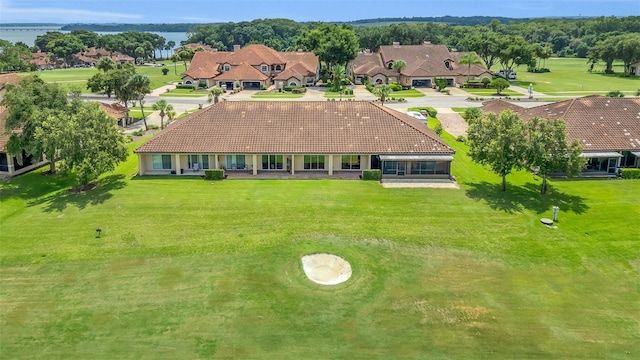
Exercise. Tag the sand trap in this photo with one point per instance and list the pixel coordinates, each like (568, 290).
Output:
(326, 269)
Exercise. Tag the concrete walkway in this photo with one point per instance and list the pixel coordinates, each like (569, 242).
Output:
(452, 122)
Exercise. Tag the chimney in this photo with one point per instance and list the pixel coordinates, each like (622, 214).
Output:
(367, 51)
(395, 43)
(426, 43)
(236, 48)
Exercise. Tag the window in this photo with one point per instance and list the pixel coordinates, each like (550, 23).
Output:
(271, 162)
(390, 66)
(293, 83)
(350, 162)
(236, 162)
(313, 162)
(423, 167)
(390, 167)
(265, 68)
(201, 160)
(278, 67)
(161, 162)
(226, 67)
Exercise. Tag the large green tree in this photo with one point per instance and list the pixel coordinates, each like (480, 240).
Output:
(498, 141)
(499, 84)
(628, 50)
(66, 46)
(516, 51)
(33, 118)
(332, 43)
(548, 151)
(93, 143)
(604, 50)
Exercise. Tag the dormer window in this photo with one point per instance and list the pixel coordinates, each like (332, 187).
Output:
(226, 67)
(390, 66)
(265, 68)
(447, 64)
(278, 67)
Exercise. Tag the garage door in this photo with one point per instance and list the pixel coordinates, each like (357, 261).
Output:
(421, 83)
(251, 85)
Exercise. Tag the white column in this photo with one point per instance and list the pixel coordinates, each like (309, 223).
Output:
(330, 164)
(293, 164)
(178, 172)
(215, 161)
(367, 162)
(255, 164)
(141, 164)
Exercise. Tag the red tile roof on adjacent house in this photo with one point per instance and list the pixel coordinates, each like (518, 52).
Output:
(292, 127)
(297, 71)
(204, 65)
(256, 54)
(598, 122)
(115, 110)
(9, 79)
(242, 72)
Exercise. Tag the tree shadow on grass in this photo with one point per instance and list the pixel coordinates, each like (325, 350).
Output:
(59, 200)
(518, 198)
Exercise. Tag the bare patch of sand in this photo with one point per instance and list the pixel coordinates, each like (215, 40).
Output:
(326, 269)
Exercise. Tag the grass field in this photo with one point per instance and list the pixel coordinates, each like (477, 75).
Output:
(184, 93)
(569, 77)
(79, 76)
(411, 93)
(491, 92)
(337, 95)
(187, 268)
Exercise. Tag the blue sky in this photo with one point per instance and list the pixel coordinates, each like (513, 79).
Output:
(176, 11)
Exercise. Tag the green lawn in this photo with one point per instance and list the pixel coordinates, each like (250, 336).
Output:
(276, 95)
(184, 93)
(81, 75)
(569, 77)
(411, 93)
(188, 268)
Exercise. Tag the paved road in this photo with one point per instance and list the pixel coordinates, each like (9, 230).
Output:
(451, 122)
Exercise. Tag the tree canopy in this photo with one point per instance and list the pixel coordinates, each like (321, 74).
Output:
(332, 43)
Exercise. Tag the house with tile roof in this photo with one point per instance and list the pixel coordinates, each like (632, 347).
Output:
(333, 138)
(425, 63)
(254, 66)
(117, 111)
(607, 128)
(92, 55)
(14, 164)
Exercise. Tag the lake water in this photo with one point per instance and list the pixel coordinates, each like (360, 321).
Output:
(29, 36)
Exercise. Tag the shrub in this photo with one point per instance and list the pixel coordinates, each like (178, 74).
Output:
(214, 174)
(299, 90)
(630, 173)
(638, 92)
(371, 174)
(185, 87)
(395, 86)
(287, 88)
(165, 71)
(202, 84)
(431, 111)
(438, 129)
(460, 138)
(139, 132)
(153, 127)
(615, 93)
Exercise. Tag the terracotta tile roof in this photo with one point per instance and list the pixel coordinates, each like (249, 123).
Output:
(304, 127)
(297, 71)
(307, 59)
(9, 79)
(204, 65)
(256, 54)
(115, 110)
(498, 106)
(242, 72)
(598, 122)
(370, 64)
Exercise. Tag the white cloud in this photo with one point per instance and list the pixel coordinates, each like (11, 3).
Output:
(10, 14)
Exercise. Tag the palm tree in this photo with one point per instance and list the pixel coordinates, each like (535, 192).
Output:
(399, 65)
(382, 91)
(215, 93)
(164, 108)
(171, 115)
(139, 86)
(338, 74)
(470, 59)
(169, 46)
(175, 58)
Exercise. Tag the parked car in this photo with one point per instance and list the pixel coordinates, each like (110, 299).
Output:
(417, 115)
(503, 73)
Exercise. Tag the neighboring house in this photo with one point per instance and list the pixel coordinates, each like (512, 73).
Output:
(297, 137)
(607, 128)
(425, 63)
(42, 60)
(14, 164)
(93, 55)
(255, 66)
(634, 68)
(118, 112)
